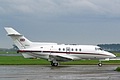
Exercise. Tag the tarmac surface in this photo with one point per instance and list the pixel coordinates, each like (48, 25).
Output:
(70, 72)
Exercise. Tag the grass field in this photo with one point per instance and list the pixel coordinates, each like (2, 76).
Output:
(19, 60)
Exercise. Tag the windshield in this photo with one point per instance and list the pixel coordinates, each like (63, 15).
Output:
(98, 49)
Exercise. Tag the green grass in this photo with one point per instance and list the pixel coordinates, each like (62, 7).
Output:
(117, 54)
(19, 60)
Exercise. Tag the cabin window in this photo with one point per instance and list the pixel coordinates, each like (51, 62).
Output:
(72, 49)
(63, 49)
(79, 49)
(76, 49)
(59, 49)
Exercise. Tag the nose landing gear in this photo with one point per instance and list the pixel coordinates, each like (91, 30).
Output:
(100, 64)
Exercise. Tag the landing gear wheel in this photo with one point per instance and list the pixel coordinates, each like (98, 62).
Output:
(100, 64)
(54, 64)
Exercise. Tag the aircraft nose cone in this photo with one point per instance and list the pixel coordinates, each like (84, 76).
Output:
(112, 55)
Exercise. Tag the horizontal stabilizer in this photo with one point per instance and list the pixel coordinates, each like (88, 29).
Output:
(12, 32)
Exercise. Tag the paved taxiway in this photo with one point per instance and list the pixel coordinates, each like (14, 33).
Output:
(79, 72)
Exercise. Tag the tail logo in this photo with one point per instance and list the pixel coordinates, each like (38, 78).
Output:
(22, 39)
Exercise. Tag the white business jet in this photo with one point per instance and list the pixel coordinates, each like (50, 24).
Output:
(54, 52)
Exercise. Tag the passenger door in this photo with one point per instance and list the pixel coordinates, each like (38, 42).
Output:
(67, 50)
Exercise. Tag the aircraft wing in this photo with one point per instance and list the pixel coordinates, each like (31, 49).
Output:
(60, 58)
(63, 58)
(52, 57)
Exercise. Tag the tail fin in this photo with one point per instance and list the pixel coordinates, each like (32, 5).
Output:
(19, 40)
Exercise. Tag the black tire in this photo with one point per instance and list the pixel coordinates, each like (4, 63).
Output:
(54, 64)
(100, 64)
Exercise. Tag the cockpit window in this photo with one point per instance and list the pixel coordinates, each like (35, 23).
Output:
(98, 49)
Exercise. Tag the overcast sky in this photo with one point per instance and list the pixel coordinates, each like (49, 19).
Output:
(62, 21)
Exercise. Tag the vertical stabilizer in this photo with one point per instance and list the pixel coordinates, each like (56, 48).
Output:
(19, 40)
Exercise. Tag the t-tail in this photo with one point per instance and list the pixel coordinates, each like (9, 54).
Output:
(19, 40)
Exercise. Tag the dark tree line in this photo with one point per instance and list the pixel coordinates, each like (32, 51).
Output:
(110, 47)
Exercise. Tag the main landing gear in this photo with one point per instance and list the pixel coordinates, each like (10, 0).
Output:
(54, 63)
